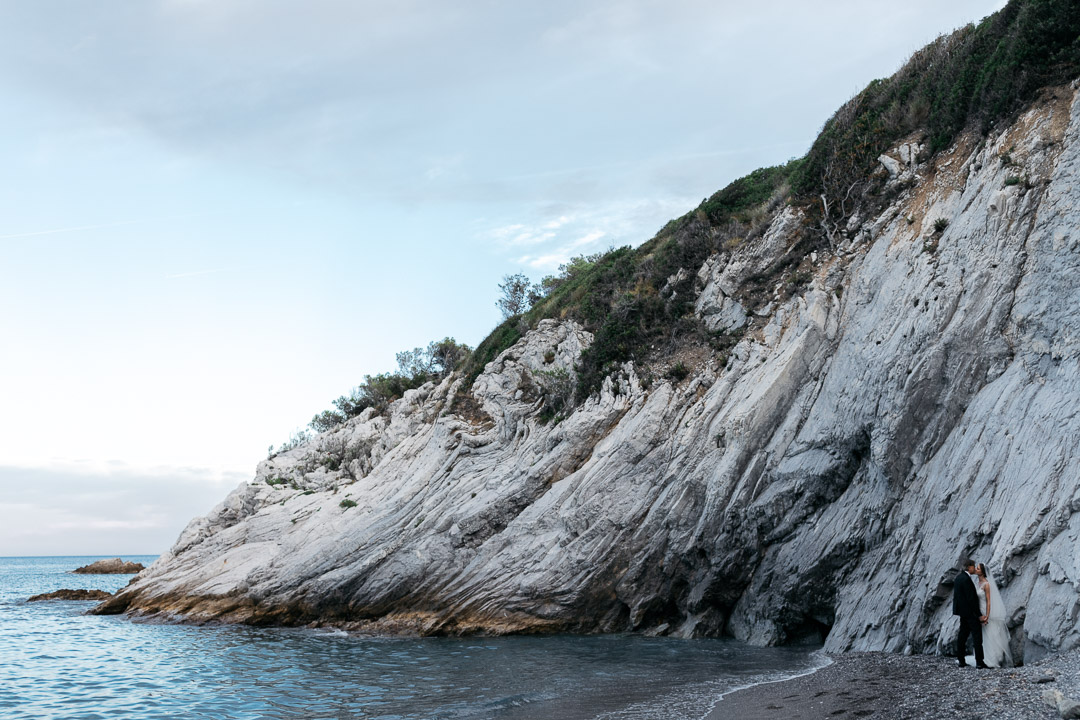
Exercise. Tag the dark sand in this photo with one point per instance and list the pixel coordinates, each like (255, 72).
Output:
(881, 685)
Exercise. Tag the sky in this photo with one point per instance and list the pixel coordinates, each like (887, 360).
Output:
(216, 216)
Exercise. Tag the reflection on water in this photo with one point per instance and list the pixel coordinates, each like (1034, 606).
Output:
(57, 662)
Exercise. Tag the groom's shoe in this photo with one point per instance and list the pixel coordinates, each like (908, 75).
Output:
(962, 663)
(982, 666)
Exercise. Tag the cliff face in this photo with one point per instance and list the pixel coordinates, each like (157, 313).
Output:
(915, 401)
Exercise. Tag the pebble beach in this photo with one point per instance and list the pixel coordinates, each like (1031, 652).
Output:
(905, 687)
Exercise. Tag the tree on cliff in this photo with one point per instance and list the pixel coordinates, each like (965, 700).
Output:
(513, 295)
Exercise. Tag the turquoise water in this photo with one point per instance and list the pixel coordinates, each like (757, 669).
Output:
(57, 662)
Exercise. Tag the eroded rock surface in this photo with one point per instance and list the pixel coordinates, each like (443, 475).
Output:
(915, 402)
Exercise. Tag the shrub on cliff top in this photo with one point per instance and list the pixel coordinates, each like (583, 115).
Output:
(979, 75)
(636, 300)
(415, 367)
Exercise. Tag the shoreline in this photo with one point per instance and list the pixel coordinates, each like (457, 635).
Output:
(905, 687)
(826, 660)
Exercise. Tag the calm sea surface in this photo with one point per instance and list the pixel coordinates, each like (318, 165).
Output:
(56, 662)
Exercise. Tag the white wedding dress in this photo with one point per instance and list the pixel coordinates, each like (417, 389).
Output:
(995, 633)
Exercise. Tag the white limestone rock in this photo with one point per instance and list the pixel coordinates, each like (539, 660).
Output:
(913, 405)
(717, 310)
(891, 165)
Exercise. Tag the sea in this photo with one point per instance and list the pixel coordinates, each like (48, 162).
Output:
(58, 662)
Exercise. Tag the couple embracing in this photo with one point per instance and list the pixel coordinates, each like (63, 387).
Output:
(982, 618)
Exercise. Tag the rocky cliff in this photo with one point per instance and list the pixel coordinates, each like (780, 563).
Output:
(914, 400)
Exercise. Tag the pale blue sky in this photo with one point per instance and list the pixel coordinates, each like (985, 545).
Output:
(217, 215)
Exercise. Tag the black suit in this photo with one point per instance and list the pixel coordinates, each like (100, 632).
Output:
(965, 603)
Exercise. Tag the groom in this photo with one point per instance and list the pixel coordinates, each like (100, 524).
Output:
(965, 603)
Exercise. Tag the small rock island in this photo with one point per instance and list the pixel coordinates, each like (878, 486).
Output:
(67, 594)
(115, 566)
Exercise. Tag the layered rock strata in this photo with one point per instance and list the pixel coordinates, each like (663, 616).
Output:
(915, 401)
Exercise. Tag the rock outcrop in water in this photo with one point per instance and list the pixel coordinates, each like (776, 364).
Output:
(67, 594)
(115, 566)
(914, 401)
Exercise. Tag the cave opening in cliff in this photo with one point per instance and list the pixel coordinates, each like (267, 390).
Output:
(811, 631)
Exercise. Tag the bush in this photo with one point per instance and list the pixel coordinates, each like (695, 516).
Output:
(567, 271)
(346, 504)
(415, 367)
(447, 355)
(747, 193)
(677, 372)
(940, 224)
(558, 388)
(326, 420)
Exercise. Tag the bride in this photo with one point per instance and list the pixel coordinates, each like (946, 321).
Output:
(995, 633)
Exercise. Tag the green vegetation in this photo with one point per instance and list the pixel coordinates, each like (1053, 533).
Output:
(749, 193)
(415, 367)
(346, 504)
(514, 294)
(940, 224)
(276, 481)
(979, 75)
(637, 303)
(557, 387)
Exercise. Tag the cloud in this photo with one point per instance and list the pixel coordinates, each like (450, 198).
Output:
(342, 88)
(79, 228)
(589, 239)
(554, 233)
(369, 96)
(194, 274)
(545, 262)
(616, 35)
(517, 235)
(444, 167)
(102, 509)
